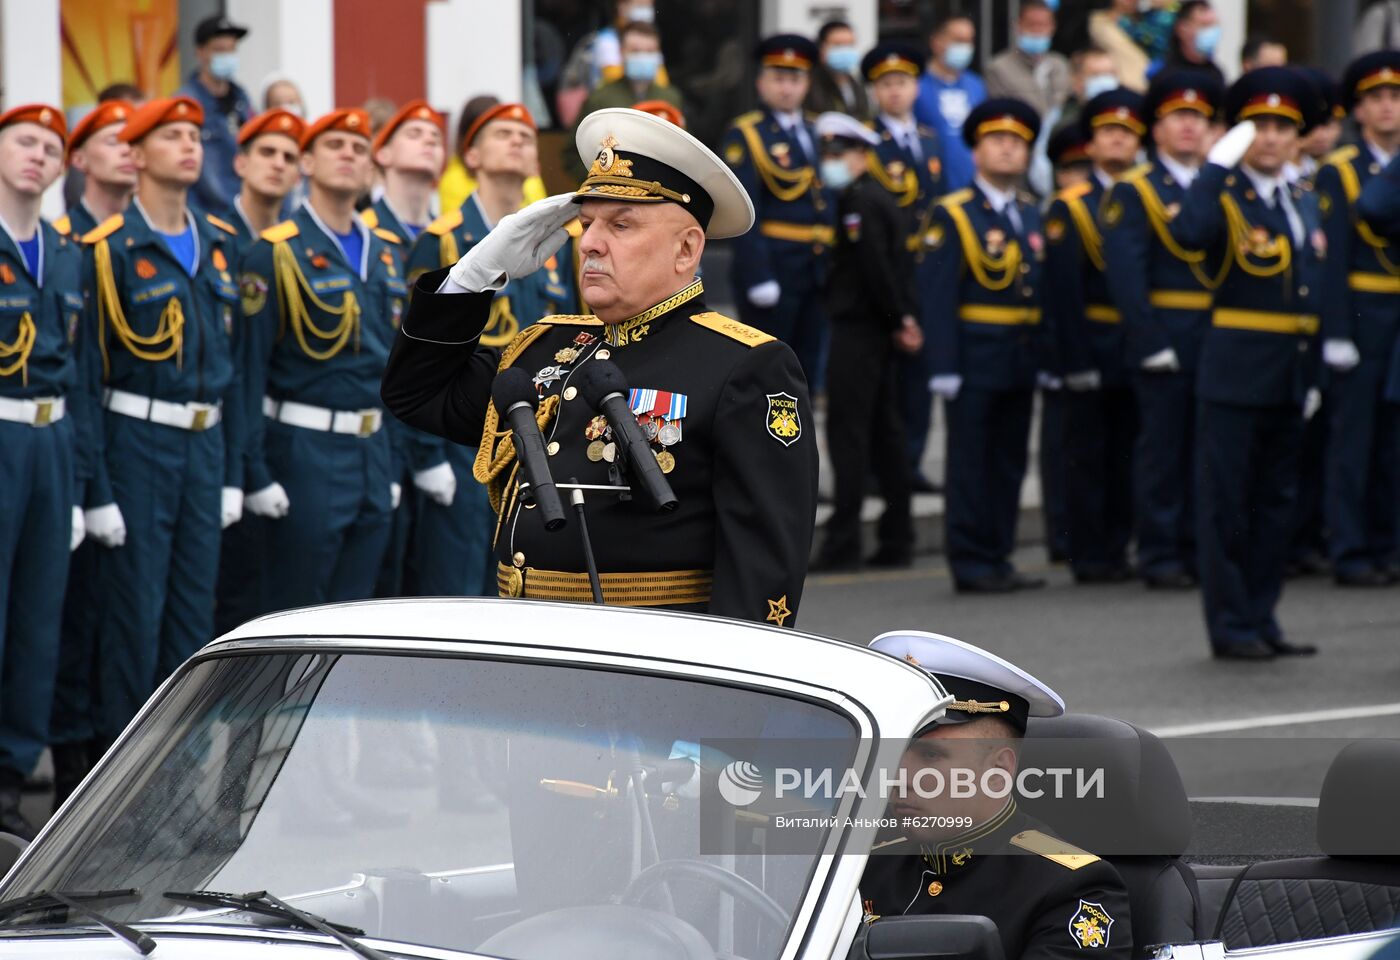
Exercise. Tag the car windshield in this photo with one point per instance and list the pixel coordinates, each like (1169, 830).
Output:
(473, 804)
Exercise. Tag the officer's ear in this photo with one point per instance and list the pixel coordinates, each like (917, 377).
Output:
(308, 164)
(240, 163)
(382, 157)
(138, 156)
(471, 158)
(690, 244)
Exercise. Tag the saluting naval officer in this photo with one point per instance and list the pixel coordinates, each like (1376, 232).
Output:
(1048, 898)
(1257, 359)
(780, 267)
(1360, 326)
(725, 405)
(980, 299)
(1163, 292)
(1100, 419)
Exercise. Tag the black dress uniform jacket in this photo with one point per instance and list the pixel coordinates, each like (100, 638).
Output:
(1047, 898)
(868, 279)
(744, 468)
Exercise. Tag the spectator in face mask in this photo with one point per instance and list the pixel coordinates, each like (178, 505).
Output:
(226, 108)
(280, 92)
(948, 92)
(1195, 36)
(1092, 73)
(1030, 71)
(835, 83)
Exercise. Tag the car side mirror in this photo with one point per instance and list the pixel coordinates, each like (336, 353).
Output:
(929, 937)
(11, 847)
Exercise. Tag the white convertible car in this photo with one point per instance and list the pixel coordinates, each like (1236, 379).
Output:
(485, 778)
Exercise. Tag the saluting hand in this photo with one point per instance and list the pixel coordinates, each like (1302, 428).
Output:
(1231, 148)
(518, 246)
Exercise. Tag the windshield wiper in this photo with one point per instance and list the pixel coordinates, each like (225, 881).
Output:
(73, 901)
(265, 904)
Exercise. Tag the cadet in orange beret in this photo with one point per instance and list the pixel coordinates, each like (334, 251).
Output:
(662, 109)
(268, 162)
(97, 151)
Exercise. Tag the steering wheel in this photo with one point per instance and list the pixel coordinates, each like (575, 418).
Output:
(728, 881)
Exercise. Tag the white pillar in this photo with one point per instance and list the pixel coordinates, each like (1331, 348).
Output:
(807, 16)
(473, 47)
(295, 39)
(30, 66)
(1234, 27)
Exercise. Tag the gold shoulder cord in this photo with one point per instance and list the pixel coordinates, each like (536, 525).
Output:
(906, 192)
(447, 249)
(1351, 185)
(291, 284)
(22, 346)
(1241, 248)
(1158, 217)
(1088, 231)
(981, 264)
(786, 185)
(170, 331)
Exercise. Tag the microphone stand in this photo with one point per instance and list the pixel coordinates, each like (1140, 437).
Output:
(576, 498)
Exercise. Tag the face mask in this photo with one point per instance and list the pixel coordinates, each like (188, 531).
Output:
(642, 15)
(224, 65)
(641, 67)
(1099, 83)
(293, 108)
(1032, 45)
(835, 173)
(843, 59)
(1207, 39)
(958, 56)
(1054, 5)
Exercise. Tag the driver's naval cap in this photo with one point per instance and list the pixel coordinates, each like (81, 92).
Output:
(982, 683)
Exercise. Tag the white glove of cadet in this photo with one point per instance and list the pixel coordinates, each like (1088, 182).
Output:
(1231, 148)
(79, 530)
(106, 526)
(765, 294)
(395, 495)
(1083, 380)
(518, 246)
(1163, 361)
(270, 501)
(232, 507)
(439, 483)
(1340, 355)
(1312, 402)
(946, 385)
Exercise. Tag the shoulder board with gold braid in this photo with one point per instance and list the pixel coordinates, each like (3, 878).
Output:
(753, 116)
(1343, 160)
(1074, 192)
(370, 218)
(1053, 848)
(957, 198)
(446, 223)
(733, 329)
(63, 225)
(278, 233)
(223, 225)
(566, 320)
(1137, 173)
(104, 229)
(386, 235)
(1341, 155)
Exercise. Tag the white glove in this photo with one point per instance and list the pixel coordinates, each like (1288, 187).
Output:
(1163, 361)
(518, 246)
(1340, 355)
(439, 483)
(232, 507)
(1083, 380)
(270, 501)
(946, 385)
(79, 530)
(1312, 401)
(1048, 381)
(106, 526)
(395, 495)
(1231, 148)
(765, 294)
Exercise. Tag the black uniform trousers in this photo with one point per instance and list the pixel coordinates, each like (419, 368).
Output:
(1309, 512)
(1361, 473)
(1099, 430)
(988, 432)
(1052, 473)
(1164, 476)
(864, 433)
(1247, 482)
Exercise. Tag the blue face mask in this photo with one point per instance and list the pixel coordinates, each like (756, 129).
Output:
(1032, 45)
(835, 173)
(843, 59)
(641, 67)
(1054, 5)
(224, 65)
(1099, 83)
(1207, 39)
(958, 56)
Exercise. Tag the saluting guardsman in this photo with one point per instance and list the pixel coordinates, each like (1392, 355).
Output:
(1162, 291)
(1258, 360)
(322, 295)
(980, 298)
(159, 340)
(780, 266)
(1100, 419)
(724, 406)
(1360, 326)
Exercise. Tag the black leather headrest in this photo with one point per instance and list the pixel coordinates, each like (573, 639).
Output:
(1357, 809)
(1143, 809)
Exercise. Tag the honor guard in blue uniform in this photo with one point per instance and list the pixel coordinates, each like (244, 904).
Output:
(322, 296)
(980, 297)
(1258, 360)
(1379, 205)
(780, 266)
(160, 336)
(98, 152)
(1100, 418)
(908, 163)
(1360, 326)
(40, 521)
(1162, 291)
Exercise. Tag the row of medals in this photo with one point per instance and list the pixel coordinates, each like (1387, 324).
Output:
(601, 445)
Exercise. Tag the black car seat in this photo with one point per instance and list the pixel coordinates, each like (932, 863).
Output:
(1355, 888)
(1141, 823)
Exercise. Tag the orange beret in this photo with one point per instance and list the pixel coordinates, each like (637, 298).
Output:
(157, 113)
(501, 111)
(413, 110)
(273, 121)
(40, 113)
(662, 109)
(348, 119)
(103, 115)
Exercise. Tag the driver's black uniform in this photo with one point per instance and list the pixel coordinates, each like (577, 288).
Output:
(1048, 898)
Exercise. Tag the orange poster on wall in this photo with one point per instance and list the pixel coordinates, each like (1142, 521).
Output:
(118, 41)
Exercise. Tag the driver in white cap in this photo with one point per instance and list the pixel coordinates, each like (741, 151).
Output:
(1048, 898)
(725, 406)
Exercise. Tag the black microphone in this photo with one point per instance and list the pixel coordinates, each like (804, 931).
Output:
(515, 398)
(603, 387)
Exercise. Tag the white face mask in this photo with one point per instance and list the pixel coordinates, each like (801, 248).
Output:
(1098, 83)
(641, 15)
(835, 173)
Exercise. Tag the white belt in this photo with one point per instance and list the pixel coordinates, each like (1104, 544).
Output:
(39, 412)
(185, 416)
(361, 423)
